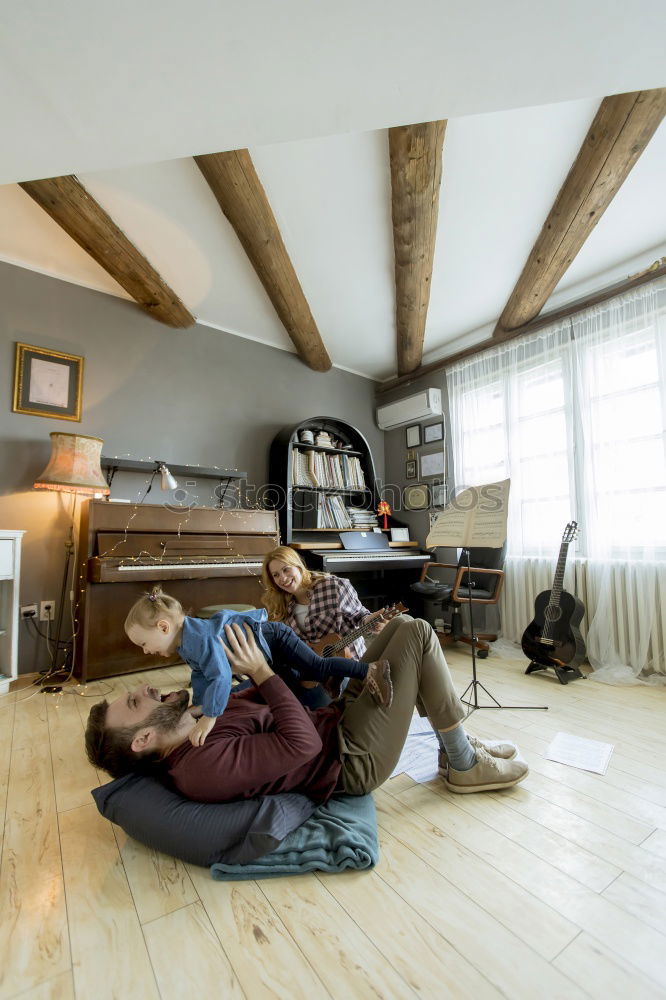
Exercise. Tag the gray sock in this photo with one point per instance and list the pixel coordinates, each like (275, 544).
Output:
(461, 753)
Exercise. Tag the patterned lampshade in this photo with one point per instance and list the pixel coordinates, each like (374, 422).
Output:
(74, 466)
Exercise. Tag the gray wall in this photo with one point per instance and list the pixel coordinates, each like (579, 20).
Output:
(191, 397)
(486, 619)
(395, 449)
(395, 452)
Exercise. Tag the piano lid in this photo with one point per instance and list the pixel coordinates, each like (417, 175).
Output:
(364, 541)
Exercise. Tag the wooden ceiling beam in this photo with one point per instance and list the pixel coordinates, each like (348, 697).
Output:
(69, 204)
(415, 153)
(622, 128)
(234, 182)
(656, 271)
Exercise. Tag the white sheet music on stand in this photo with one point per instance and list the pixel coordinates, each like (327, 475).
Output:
(477, 516)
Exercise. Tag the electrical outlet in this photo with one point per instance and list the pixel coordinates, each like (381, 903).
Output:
(46, 611)
(28, 611)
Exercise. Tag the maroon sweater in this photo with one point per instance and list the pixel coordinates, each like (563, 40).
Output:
(265, 742)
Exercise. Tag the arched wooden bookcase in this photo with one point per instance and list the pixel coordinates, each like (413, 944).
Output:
(293, 501)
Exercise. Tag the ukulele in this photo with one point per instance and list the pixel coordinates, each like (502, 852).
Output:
(336, 645)
(552, 638)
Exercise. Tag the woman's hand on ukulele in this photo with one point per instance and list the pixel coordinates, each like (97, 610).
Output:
(377, 620)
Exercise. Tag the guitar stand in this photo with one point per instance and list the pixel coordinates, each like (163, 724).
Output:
(564, 674)
(474, 684)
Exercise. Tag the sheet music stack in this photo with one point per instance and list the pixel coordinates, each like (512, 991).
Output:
(362, 520)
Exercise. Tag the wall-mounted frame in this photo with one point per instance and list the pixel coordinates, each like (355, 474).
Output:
(47, 383)
(399, 534)
(410, 469)
(433, 432)
(432, 464)
(416, 497)
(413, 436)
(438, 494)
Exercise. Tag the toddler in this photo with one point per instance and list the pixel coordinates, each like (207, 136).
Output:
(158, 624)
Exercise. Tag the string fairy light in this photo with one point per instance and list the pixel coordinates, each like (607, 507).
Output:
(164, 557)
(230, 520)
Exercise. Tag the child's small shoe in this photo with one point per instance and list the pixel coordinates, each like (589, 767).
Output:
(378, 683)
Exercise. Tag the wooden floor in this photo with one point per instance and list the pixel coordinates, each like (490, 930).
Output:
(556, 888)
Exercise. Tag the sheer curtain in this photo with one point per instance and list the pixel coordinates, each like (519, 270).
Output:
(575, 415)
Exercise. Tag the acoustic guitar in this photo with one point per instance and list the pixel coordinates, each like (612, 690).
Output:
(552, 638)
(336, 645)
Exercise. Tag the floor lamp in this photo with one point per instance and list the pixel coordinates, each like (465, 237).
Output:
(74, 467)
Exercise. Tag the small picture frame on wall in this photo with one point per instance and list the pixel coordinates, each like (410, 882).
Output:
(410, 469)
(438, 494)
(416, 497)
(47, 383)
(433, 432)
(432, 465)
(413, 436)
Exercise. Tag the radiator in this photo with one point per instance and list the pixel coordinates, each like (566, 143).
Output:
(631, 598)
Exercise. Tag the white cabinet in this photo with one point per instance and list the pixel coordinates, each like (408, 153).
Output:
(10, 573)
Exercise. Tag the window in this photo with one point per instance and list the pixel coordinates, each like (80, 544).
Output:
(576, 416)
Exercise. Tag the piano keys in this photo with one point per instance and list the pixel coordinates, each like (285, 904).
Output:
(380, 572)
(200, 556)
(111, 570)
(344, 561)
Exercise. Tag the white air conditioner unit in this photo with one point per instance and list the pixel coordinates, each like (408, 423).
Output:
(427, 403)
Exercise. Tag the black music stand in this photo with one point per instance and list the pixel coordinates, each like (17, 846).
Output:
(474, 684)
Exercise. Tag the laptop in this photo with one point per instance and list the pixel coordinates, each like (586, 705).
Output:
(364, 541)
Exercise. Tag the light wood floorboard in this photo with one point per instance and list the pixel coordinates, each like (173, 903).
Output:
(188, 958)
(556, 888)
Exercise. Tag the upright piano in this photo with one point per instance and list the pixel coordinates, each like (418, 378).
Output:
(381, 571)
(343, 562)
(201, 556)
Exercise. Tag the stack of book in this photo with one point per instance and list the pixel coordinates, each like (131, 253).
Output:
(302, 473)
(331, 513)
(328, 471)
(362, 520)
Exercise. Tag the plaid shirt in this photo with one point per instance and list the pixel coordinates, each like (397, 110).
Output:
(335, 607)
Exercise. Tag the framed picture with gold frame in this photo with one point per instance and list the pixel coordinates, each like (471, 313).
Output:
(47, 383)
(416, 497)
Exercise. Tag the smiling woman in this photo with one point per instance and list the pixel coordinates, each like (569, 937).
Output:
(313, 604)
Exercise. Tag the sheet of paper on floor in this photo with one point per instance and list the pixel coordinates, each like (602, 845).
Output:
(419, 754)
(577, 751)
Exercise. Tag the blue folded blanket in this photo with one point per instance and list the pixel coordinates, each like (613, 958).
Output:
(340, 834)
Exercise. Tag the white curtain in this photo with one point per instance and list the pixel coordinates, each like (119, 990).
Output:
(575, 415)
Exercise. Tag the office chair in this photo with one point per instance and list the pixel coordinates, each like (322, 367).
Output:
(487, 580)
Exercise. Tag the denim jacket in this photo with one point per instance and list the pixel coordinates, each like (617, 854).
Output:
(201, 649)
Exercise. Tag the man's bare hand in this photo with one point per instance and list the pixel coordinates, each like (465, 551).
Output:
(244, 655)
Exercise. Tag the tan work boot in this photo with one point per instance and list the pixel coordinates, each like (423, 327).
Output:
(488, 774)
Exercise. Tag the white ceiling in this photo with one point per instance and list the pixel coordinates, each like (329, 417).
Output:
(124, 96)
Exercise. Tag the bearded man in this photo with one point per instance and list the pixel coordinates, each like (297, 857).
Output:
(265, 742)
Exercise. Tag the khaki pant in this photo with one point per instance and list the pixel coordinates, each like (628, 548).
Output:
(371, 738)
